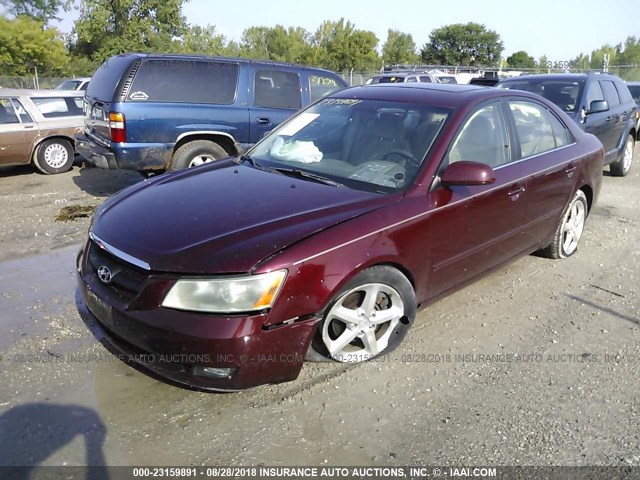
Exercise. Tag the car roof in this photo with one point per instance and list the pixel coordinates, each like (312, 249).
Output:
(185, 56)
(29, 92)
(561, 76)
(441, 94)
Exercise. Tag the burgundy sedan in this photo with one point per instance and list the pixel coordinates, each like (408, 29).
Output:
(324, 238)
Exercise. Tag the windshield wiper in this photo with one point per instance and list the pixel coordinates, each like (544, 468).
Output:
(294, 172)
(246, 158)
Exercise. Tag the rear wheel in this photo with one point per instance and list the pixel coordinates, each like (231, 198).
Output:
(622, 166)
(196, 153)
(368, 317)
(565, 242)
(53, 156)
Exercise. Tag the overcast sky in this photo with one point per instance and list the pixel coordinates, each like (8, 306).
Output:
(561, 29)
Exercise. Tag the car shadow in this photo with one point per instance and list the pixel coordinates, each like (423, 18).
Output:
(14, 171)
(610, 311)
(31, 432)
(99, 182)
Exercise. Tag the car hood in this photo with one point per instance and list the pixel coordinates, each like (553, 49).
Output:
(222, 218)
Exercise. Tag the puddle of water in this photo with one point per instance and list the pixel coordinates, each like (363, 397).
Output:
(33, 289)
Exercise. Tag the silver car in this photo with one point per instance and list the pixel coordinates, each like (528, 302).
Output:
(38, 126)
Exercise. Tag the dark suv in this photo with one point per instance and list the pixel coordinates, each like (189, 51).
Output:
(600, 103)
(167, 112)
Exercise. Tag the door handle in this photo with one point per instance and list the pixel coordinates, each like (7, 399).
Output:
(263, 121)
(515, 193)
(28, 126)
(609, 118)
(570, 169)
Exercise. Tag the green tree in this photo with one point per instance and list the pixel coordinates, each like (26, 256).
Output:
(339, 46)
(42, 10)
(581, 62)
(203, 40)
(26, 45)
(399, 48)
(631, 53)
(276, 43)
(106, 28)
(598, 56)
(521, 59)
(463, 44)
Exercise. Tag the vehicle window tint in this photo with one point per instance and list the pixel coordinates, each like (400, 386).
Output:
(84, 87)
(610, 93)
(277, 89)
(319, 86)
(635, 92)
(52, 107)
(534, 127)
(623, 92)
(594, 93)
(482, 139)
(184, 81)
(561, 133)
(412, 79)
(425, 79)
(563, 93)
(7, 112)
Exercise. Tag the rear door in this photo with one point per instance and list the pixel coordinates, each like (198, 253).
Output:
(18, 131)
(615, 118)
(276, 94)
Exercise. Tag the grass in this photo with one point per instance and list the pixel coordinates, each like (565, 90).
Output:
(73, 212)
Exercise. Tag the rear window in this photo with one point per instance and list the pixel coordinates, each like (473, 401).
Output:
(320, 85)
(390, 79)
(184, 81)
(106, 78)
(623, 92)
(564, 93)
(53, 107)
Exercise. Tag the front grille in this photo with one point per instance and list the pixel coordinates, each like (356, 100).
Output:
(124, 276)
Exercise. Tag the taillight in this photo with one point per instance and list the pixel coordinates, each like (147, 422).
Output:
(117, 127)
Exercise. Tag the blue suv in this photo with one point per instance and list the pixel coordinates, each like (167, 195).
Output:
(154, 113)
(600, 103)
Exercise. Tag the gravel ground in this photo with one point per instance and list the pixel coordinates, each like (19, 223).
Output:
(536, 364)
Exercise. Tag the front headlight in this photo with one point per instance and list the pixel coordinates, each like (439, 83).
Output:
(242, 294)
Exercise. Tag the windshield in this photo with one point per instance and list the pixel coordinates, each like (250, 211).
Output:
(635, 92)
(564, 93)
(370, 145)
(68, 85)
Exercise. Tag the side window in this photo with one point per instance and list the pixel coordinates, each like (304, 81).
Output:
(184, 81)
(53, 107)
(535, 128)
(412, 79)
(425, 79)
(319, 86)
(84, 87)
(623, 92)
(277, 89)
(610, 93)
(7, 112)
(482, 139)
(22, 112)
(594, 93)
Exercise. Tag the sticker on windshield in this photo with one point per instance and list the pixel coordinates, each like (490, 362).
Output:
(298, 123)
(340, 101)
(139, 95)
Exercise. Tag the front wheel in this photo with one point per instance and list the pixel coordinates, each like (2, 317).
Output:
(622, 166)
(369, 316)
(196, 153)
(53, 156)
(569, 231)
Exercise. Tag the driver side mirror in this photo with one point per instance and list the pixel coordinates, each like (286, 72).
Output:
(467, 173)
(598, 106)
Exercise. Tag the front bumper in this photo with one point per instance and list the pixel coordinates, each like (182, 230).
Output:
(181, 346)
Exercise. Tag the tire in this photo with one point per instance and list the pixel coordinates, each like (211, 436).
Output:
(570, 229)
(54, 156)
(348, 335)
(196, 153)
(622, 166)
